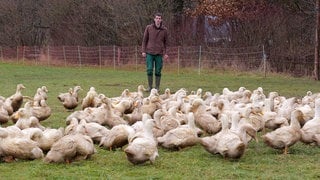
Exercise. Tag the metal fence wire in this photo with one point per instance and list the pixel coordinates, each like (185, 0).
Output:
(200, 58)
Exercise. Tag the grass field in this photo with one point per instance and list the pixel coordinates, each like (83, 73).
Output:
(258, 162)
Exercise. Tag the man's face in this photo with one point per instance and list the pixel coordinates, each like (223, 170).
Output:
(157, 20)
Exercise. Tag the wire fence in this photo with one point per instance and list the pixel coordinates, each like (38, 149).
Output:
(199, 58)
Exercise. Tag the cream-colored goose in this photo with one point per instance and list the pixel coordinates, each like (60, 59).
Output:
(49, 137)
(64, 150)
(286, 136)
(90, 100)
(116, 137)
(42, 112)
(41, 94)
(97, 114)
(169, 120)
(316, 139)
(215, 107)
(174, 96)
(166, 94)
(153, 92)
(232, 95)
(137, 126)
(123, 106)
(205, 120)
(71, 147)
(80, 114)
(287, 107)
(253, 116)
(246, 97)
(157, 129)
(308, 99)
(18, 147)
(208, 98)
(271, 118)
(85, 146)
(45, 138)
(4, 116)
(94, 130)
(230, 145)
(25, 119)
(311, 127)
(243, 129)
(72, 126)
(197, 95)
(180, 137)
(258, 96)
(226, 143)
(175, 103)
(17, 98)
(308, 112)
(100, 115)
(152, 106)
(70, 99)
(13, 131)
(104, 114)
(136, 114)
(138, 95)
(112, 119)
(142, 145)
(7, 105)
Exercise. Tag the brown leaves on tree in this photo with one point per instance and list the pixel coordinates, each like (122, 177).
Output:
(229, 9)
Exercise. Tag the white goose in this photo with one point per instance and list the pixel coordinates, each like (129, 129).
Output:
(18, 146)
(180, 137)
(243, 129)
(226, 143)
(311, 127)
(116, 137)
(271, 118)
(17, 98)
(286, 136)
(90, 100)
(26, 119)
(71, 147)
(142, 145)
(4, 116)
(70, 99)
(205, 120)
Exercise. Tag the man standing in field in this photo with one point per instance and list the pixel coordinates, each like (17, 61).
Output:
(154, 47)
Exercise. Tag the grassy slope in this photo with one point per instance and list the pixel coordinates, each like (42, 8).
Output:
(259, 161)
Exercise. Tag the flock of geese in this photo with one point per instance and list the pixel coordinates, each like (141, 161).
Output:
(140, 122)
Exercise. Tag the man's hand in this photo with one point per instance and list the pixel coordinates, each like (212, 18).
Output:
(144, 55)
(166, 57)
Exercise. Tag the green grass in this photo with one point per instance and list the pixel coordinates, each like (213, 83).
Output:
(258, 162)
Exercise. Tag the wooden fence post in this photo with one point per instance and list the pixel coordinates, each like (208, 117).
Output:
(23, 52)
(264, 59)
(64, 56)
(136, 56)
(34, 55)
(316, 49)
(1, 53)
(79, 55)
(114, 56)
(100, 56)
(17, 53)
(119, 55)
(178, 59)
(48, 55)
(199, 66)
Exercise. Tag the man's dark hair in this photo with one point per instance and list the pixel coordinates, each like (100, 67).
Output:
(157, 14)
